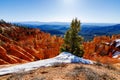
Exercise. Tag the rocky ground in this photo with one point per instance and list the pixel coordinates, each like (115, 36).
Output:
(96, 71)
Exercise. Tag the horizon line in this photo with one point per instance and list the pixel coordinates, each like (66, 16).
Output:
(66, 22)
(61, 22)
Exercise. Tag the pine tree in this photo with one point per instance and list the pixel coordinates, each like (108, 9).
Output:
(72, 41)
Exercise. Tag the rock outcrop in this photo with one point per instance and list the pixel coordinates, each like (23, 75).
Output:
(20, 44)
(102, 49)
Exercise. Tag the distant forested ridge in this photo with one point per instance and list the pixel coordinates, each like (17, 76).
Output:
(88, 31)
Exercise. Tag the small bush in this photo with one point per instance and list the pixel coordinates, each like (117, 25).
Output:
(58, 65)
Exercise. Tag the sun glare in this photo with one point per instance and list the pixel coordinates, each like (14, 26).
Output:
(68, 2)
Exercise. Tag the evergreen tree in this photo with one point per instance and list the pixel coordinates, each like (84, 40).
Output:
(72, 41)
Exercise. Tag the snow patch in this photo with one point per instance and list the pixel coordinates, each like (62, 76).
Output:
(64, 57)
(68, 57)
(116, 55)
(118, 42)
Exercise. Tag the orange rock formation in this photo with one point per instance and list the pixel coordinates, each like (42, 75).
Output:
(96, 50)
(20, 44)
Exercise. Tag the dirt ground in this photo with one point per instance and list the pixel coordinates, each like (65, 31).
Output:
(69, 72)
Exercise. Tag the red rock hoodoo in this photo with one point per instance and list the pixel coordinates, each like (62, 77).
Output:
(98, 49)
(21, 44)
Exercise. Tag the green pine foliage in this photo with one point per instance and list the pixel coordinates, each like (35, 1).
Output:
(72, 41)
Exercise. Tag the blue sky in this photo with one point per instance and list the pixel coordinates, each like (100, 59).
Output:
(98, 11)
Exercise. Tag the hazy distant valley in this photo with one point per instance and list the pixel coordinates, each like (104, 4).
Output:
(88, 30)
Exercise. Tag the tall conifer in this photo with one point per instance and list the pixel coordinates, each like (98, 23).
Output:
(72, 41)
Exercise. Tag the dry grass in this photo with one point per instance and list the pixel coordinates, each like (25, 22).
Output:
(18, 76)
(107, 65)
(67, 72)
(88, 74)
